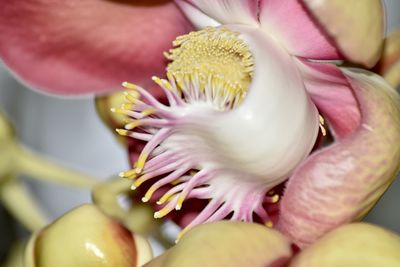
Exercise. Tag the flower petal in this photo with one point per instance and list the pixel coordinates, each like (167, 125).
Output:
(86, 237)
(332, 94)
(196, 16)
(290, 23)
(224, 243)
(81, 47)
(342, 182)
(357, 27)
(224, 11)
(389, 64)
(358, 244)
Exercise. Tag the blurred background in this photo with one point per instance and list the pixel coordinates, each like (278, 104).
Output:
(69, 132)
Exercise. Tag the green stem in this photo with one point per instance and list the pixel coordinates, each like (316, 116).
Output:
(105, 195)
(40, 168)
(18, 200)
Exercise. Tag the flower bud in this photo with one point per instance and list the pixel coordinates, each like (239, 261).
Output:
(111, 119)
(358, 244)
(228, 243)
(86, 237)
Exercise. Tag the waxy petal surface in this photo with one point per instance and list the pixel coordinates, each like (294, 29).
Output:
(86, 237)
(198, 19)
(357, 27)
(342, 182)
(227, 11)
(83, 47)
(332, 94)
(290, 23)
(224, 243)
(358, 244)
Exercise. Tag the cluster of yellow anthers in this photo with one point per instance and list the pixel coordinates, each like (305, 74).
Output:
(216, 56)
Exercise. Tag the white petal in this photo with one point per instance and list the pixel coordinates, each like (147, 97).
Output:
(276, 126)
(223, 11)
(196, 16)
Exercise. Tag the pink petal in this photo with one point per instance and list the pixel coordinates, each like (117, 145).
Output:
(81, 47)
(332, 94)
(342, 182)
(357, 27)
(290, 23)
(224, 11)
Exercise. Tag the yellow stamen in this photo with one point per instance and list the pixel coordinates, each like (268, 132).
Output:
(269, 224)
(122, 132)
(121, 111)
(133, 124)
(162, 83)
(149, 193)
(131, 98)
(180, 201)
(321, 125)
(140, 181)
(147, 112)
(141, 162)
(129, 85)
(161, 213)
(127, 106)
(131, 174)
(215, 55)
(166, 197)
(275, 198)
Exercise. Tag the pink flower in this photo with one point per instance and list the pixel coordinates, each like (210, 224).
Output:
(83, 47)
(245, 95)
(249, 134)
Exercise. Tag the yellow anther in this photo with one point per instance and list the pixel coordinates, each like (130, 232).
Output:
(204, 56)
(127, 106)
(150, 192)
(121, 111)
(321, 120)
(131, 98)
(160, 82)
(129, 85)
(147, 112)
(161, 213)
(180, 201)
(166, 197)
(323, 130)
(269, 224)
(122, 132)
(132, 124)
(321, 125)
(131, 174)
(275, 198)
(141, 162)
(140, 180)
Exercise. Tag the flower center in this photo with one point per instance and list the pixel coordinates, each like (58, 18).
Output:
(212, 56)
(203, 144)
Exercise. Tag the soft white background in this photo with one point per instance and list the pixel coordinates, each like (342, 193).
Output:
(69, 131)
